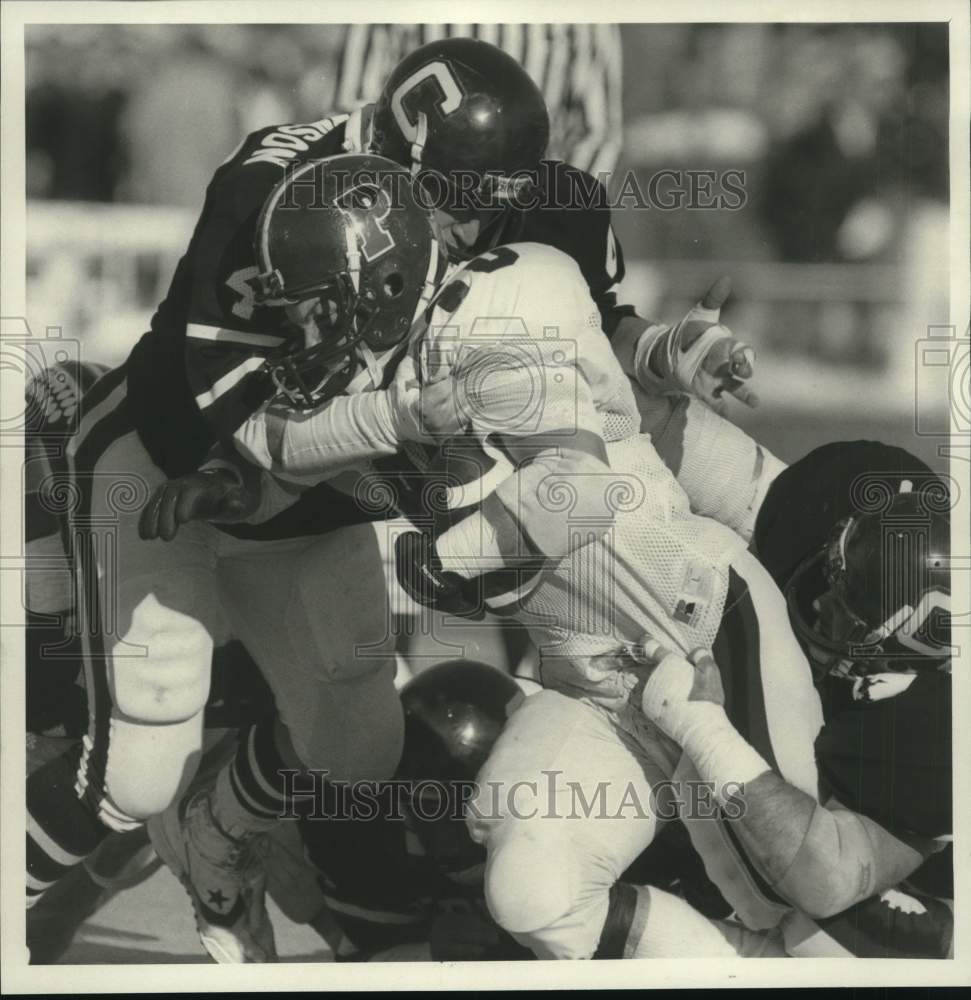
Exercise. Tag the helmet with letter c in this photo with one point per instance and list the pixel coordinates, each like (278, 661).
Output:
(468, 121)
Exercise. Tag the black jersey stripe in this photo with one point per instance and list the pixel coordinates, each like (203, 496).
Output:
(737, 652)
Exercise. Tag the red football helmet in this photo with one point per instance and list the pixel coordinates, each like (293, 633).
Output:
(347, 232)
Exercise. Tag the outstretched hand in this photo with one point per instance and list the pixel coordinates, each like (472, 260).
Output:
(727, 363)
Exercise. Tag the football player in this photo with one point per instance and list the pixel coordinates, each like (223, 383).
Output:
(439, 114)
(196, 379)
(542, 411)
(857, 535)
(151, 614)
(397, 870)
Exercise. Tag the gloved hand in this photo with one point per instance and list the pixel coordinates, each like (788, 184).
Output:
(701, 357)
(420, 574)
(210, 495)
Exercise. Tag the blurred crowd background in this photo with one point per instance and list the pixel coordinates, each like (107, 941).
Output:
(838, 254)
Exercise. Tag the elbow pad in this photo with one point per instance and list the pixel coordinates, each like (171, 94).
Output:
(833, 868)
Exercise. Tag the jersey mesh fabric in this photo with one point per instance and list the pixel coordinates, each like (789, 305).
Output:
(660, 570)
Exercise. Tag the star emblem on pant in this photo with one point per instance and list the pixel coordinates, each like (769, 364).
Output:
(217, 899)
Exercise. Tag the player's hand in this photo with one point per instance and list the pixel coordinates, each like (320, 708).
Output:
(425, 413)
(212, 495)
(692, 678)
(726, 363)
(422, 578)
(462, 935)
(443, 413)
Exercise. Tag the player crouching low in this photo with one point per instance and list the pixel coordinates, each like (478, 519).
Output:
(857, 533)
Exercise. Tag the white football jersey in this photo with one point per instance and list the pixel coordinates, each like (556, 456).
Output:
(518, 330)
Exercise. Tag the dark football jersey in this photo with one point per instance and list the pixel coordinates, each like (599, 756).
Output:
(890, 759)
(195, 376)
(572, 213)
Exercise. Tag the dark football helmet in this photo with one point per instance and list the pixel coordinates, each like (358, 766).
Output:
(462, 106)
(347, 233)
(454, 713)
(877, 594)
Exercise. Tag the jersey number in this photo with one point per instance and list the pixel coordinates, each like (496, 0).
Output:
(239, 282)
(493, 260)
(449, 100)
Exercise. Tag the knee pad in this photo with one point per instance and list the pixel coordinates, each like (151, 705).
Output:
(148, 768)
(170, 682)
(528, 884)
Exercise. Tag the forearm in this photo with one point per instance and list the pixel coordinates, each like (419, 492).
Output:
(625, 339)
(821, 860)
(345, 431)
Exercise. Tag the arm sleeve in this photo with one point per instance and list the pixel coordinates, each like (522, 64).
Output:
(724, 472)
(313, 446)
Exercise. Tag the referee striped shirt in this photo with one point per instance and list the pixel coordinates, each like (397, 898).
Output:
(577, 67)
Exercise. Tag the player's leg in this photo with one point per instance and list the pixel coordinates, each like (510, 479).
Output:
(148, 614)
(564, 805)
(316, 615)
(313, 613)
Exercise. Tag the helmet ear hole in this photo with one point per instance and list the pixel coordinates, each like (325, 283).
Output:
(393, 285)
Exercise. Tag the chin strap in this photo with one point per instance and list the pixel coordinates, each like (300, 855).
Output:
(418, 146)
(373, 369)
(353, 258)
